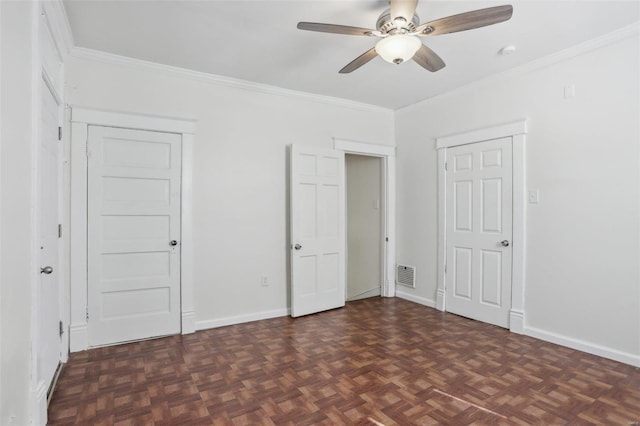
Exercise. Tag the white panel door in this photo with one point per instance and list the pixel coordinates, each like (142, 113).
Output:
(48, 297)
(133, 235)
(317, 230)
(479, 229)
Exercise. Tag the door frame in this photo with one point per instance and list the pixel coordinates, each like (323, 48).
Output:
(81, 119)
(388, 156)
(516, 131)
(381, 226)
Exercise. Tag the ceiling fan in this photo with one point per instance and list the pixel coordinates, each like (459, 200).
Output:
(399, 28)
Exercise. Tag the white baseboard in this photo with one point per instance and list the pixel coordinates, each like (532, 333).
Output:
(367, 294)
(440, 298)
(188, 322)
(591, 348)
(516, 321)
(78, 337)
(39, 401)
(221, 322)
(417, 299)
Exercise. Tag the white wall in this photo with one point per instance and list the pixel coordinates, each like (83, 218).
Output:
(582, 278)
(2, 366)
(240, 203)
(364, 225)
(16, 192)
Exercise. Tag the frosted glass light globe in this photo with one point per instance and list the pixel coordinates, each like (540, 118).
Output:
(398, 48)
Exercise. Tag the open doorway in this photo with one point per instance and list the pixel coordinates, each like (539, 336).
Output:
(365, 207)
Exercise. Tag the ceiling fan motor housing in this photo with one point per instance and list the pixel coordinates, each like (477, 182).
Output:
(387, 26)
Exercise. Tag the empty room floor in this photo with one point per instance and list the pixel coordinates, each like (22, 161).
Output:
(376, 361)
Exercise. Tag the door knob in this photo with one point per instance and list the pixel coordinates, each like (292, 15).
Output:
(46, 270)
(505, 243)
(173, 243)
(297, 247)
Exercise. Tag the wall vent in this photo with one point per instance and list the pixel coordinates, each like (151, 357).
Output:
(406, 275)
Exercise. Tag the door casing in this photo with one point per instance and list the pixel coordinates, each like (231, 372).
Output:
(81, 118)
(517, 132)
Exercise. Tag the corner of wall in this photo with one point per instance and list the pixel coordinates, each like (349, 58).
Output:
(59, 24)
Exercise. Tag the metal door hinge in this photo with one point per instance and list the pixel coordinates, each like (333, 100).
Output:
(87, 313)
(445, 166)
(386, 239)
(59, 230)
(59, 133)
(445, 268)
(61, 329)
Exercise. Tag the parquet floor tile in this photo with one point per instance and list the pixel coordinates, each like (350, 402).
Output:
(375, 362)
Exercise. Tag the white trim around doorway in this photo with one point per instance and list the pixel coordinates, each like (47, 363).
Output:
(517, 132)
(388, 156)
(81, 118)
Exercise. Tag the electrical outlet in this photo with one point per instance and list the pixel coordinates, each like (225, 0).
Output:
(264, 281)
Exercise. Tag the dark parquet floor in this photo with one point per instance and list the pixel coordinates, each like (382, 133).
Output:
(375, 362)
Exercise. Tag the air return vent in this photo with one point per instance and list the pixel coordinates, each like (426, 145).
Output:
(406, 275)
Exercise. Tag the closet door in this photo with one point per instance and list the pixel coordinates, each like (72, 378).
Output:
(133, 234)
(479, 229)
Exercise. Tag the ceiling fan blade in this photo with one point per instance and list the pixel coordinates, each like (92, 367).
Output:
(359, 61)
(403, 9)
(334, 29)
(428, 59)
(466, 21)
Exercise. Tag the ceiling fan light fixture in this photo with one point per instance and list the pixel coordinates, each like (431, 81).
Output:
(398, 48)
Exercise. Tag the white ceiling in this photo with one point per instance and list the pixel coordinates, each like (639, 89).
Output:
(258, 41)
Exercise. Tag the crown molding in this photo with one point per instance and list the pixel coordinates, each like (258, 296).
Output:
(112, 59)
(59, 25)
(623, 33)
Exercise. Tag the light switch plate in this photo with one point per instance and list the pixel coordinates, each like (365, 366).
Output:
(533, 196)
(569, 91)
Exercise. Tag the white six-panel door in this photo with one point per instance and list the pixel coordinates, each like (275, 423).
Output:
(317, 230)
(478, 231)
(133, 218)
